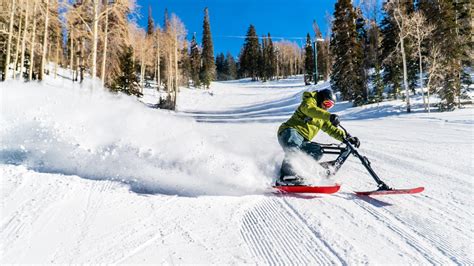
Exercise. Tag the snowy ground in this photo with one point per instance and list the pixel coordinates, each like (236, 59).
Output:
(88, 177)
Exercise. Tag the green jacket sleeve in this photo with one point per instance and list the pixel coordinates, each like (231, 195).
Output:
(333, 131)
(309, 108)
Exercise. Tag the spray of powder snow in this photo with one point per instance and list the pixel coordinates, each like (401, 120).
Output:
(312, 172)
(98, 135)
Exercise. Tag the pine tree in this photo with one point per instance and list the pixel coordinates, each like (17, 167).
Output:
(373, 59)
(185, 66)
(373, 44)
(392, 64)
(230, 66)
(323, 56)
(270, 58)
(261, 60)
(361, 58)
(447, 36)
(127, 80)
(324, 59)
(166, 20)
(220, 66)
(346, 74)
(308, 60)
(149, 72)
(151, 24)
(208, 69)
(392, 73)
(195, 62)
(249, 55)
(463, 20)
(165, 63)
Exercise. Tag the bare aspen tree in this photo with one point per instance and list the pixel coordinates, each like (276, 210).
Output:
(177, 35)
(78, 31)
(9, 42)
(104, 54)
(401, 19)
(419, 30)
(142, 66)
(289, 58)
(140, 45)
(71, 52)
(112, 36)
(45, 41)
(23, 41)
(158, 58)
(435, 69)
(78, 60)
(95, 37)
(56, 60)
(170, 68)
(93, 30)
(176, 71)
(15, 63)
(33, 41)
(118, 38)
(82, 66)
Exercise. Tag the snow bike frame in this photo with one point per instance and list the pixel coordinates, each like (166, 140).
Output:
(344, 152)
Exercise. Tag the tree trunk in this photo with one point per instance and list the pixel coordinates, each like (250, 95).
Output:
(23, 41)
(15, 64)
(82, 66)
(421, 77)
(428, 93)
(104, 54)
(142, 69)
(33, 39)
(9, 42)
(71, 53)
(159, 64)
(176, 66)
(405, 82)
(402, 35)
(170, 70)
(78, 60)
(45, 42)
(142, 72)
(56, 59)
(278, 66)
(95, 32)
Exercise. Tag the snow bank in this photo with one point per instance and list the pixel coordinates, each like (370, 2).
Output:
(98, 135)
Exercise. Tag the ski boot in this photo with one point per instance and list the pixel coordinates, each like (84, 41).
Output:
(293, 180)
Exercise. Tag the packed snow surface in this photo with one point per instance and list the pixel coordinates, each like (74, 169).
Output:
(92, 177)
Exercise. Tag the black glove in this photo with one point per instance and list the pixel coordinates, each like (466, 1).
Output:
(334, 119)
(354, 141)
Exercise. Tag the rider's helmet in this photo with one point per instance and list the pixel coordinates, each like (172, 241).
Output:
(325, 98)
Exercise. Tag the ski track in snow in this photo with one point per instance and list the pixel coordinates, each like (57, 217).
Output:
(407, 236)
(18, 226)
(277, 235)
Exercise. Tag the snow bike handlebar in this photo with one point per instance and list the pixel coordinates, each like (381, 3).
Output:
(348, 136)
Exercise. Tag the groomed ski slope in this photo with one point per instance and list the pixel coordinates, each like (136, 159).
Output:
(89, 177)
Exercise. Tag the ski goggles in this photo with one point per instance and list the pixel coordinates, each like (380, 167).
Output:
(328, 104)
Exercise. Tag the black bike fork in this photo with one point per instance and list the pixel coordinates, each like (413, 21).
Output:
(366, 163)
(344, 153)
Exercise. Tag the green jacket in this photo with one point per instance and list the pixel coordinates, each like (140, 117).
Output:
(308, 119)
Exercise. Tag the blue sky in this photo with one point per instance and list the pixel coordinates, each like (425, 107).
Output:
(232, 18)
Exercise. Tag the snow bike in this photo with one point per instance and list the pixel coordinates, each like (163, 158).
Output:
(343, 151)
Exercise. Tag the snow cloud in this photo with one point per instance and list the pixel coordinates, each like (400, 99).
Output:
(98, 135)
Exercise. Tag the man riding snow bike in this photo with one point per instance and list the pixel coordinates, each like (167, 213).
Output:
(295, 135)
